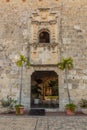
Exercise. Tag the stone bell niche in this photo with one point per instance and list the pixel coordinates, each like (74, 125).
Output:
(44, 31)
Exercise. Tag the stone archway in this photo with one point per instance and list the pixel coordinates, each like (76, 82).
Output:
(44, 37)
(47, 83)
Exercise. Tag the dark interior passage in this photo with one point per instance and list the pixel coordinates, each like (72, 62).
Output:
(44, 89)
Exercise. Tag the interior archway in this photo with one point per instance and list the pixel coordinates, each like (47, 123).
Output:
(44, 86)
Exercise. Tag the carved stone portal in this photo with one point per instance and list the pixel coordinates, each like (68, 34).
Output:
(44, 45)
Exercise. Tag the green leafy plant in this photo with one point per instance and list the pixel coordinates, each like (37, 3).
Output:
(19, 109)
(53, 84)
(36, 90)
(20, 63)
(66, 64)
(22, 60)
(83, 103)
(8, 102)
(18, 105)
(71, 106)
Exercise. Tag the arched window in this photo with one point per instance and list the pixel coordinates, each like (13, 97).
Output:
(44, 37)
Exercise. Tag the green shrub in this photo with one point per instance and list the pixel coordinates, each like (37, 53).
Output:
(18, 105)
(8, 102)
(70, 106)
(83, 103)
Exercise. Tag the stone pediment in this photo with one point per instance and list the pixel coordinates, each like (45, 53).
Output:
(43, 15)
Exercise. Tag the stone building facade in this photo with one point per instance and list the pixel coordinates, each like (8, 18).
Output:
(21, 26)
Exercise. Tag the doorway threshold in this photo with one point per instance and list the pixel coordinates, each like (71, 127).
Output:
(48, 109)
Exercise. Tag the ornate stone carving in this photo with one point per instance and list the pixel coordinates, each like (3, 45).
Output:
(44, 19)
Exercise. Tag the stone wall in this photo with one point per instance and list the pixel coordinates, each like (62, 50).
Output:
(14, 37)
(74, 43)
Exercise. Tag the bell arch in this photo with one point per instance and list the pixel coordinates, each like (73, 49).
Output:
(44, 36)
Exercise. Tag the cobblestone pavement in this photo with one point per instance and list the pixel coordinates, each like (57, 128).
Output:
(43, 123)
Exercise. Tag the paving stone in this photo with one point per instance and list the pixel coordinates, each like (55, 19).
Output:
(43, 123)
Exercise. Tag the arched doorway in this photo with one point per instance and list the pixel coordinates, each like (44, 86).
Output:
(44, 87)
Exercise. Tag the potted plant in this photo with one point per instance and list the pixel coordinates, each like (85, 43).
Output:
(66, 64)
(83, 105)
(8, 104)
(19, 109)
(36, 91)
(21, 62)
(70, 108)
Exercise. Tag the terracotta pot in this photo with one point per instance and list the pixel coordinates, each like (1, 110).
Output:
(19, 110)
(69, 112)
